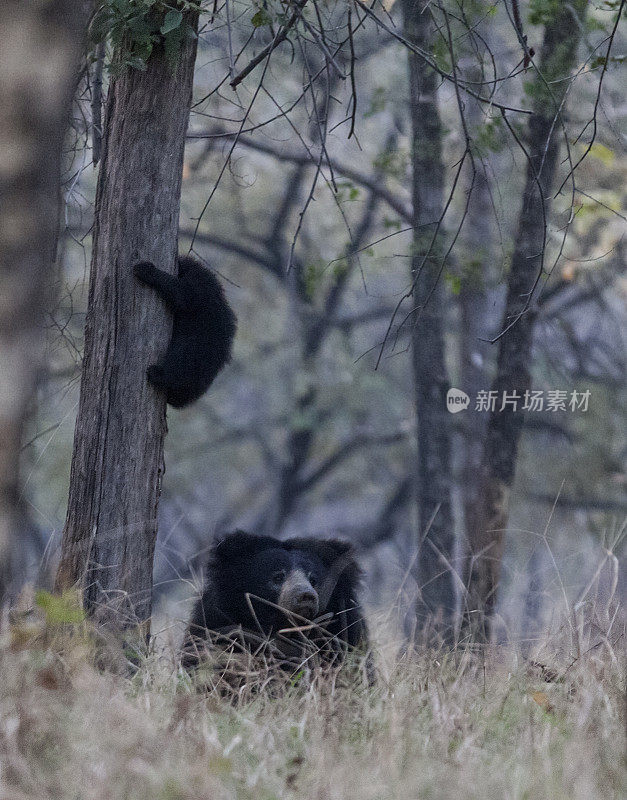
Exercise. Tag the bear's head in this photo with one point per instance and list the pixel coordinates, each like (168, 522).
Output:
(258, 578)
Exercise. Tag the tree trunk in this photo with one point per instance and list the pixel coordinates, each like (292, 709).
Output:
(313, 335)
(117, 463)
(40, 46)
(559, 50)
(436, 603)
(476, 275)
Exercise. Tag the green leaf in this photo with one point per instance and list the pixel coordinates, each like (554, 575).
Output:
(603, 153)
(261, 18)
(454, 283)
(137, 62)
(296, 677)
(172, 21)
(60, 610)
(391, 223)
(101, 25)
(340, 268)
(377, 102)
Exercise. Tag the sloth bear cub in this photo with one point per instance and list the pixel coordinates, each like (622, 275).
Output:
(202, 334)
(264, 587)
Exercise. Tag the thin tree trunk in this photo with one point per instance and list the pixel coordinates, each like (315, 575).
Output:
(436, 603)
(40, 46)
(559, 50)
(117, 463)
(478, 241)
(313, 335)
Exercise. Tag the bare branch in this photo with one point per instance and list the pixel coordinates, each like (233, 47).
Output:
(360, 178)
(346, 451)
(280, 37)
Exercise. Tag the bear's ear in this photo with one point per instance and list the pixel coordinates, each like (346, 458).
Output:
(240, 543)
(338, 548)
(327, 550)
(232, 545)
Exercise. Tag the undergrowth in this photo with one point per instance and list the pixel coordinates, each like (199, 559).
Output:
(463, 724)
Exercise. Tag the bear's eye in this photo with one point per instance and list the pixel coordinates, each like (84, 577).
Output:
(312, 578)
(278, 577)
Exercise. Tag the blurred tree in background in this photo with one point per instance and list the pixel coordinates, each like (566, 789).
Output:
(548, 93)
(40, 48)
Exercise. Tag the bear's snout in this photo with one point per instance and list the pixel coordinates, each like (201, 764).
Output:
(298, 595)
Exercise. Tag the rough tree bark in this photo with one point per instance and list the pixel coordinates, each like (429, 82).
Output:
(435, 607)
(117, 463)
(40, 46)
(557, 58)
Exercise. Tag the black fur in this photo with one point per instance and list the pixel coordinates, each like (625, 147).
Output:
(244, 563)
(203, 330)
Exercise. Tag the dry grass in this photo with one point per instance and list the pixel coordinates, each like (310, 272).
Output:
(434, 726)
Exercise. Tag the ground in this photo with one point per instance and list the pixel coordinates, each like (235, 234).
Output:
(460, 726)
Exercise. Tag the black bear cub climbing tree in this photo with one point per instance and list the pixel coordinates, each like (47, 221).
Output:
(202, 333)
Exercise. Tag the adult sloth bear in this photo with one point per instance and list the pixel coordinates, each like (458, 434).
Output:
(202, 333)
(271, 590)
